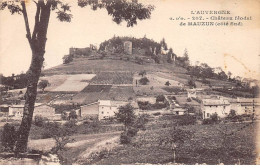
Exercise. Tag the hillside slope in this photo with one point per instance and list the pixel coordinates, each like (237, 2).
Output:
(83, 65)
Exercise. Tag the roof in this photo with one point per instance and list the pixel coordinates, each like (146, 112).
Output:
(246, 100)
(90, 104)
(22, 105)
(4, 105)
(179, 109)
(112, 103)
(215, 102)
(104, 102)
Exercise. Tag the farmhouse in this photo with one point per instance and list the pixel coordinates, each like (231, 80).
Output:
(89, 110)
(103, 109)
(43, 110)
(244, 106)
(16, 110)
(220, 106)
(108, 108)
(193, 93)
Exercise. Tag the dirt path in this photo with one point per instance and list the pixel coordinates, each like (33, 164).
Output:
(107, 144)
(80, 140)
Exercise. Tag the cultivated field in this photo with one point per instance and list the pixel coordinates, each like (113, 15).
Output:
(113, 78)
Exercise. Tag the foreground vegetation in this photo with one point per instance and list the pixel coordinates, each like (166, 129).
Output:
(210, 144)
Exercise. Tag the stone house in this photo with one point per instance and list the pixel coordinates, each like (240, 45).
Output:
(42, 110)
(108, 108)
(103, 109)
(220, 106)
(89, 110)
(244, 106)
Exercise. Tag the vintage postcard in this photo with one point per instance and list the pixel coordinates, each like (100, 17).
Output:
(129, 82)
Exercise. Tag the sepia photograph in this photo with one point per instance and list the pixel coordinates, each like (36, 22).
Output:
(129, 82)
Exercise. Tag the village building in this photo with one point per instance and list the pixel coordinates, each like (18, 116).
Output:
(108, 108)
(193, 93)
(89, 110)
(104, 109)
(244, 106)
(220, 106)
(42, 110)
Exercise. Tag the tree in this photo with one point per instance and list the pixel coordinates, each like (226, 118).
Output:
(67, 59)
(186, 55)
(192, 83)
(73, 115)
(120, 10)
(160, 98)
(163, 44)
(126, 115)
(170, 56)
(8, 137)
(142, 73)
(229, 75)
(43, 84)
(174, 138)
(167, 83)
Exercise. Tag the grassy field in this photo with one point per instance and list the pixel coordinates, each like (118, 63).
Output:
(206, 146)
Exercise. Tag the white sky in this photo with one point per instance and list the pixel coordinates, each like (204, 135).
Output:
(236, 47)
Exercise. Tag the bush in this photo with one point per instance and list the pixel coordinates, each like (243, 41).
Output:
(64, 116)
(172, 97)
(167, 83)
(67, 59)
(73, 115)
(8, 137)
(214, 117)
(157, 114)
(144, 105)
(50, 129)
(160, 98)
(132, 131)
(207, 121)
(204, 81)
(124, 138)
(142, 73)
(141, 121)
(144, 81)
(188, 99)
(192, 83)
(39, 120)
(160, 105)
(187, 120)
